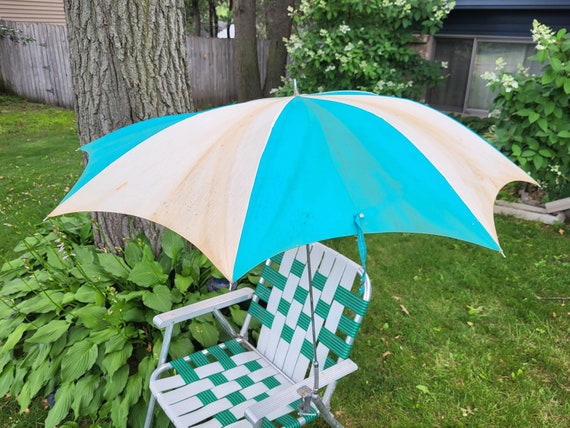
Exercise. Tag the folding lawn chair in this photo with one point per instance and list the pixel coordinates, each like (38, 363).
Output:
(238, 383)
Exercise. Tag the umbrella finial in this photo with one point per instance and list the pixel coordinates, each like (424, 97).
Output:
(295, 89)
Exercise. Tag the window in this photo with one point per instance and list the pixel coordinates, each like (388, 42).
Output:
(467, 58)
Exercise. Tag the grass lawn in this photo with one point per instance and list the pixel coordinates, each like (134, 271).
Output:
(39, 162)
(455, 335)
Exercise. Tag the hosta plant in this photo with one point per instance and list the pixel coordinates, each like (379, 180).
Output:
(76, 322)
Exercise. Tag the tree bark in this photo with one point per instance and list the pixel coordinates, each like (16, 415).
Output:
(278, 27)
(247, 68)
(128, 63)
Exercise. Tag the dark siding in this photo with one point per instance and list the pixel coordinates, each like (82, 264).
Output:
(502, 22)
(512, 4)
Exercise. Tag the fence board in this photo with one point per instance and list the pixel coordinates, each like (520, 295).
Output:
(40, 70)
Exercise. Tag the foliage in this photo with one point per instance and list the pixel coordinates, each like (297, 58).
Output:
(533, 112)
(352, 44)
(75, 322)
(14, 34)
(479, 125)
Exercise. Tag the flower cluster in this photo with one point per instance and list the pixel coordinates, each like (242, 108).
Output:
(499, 77)
(542, 35)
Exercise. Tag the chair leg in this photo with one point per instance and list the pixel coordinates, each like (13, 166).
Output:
(325, 412)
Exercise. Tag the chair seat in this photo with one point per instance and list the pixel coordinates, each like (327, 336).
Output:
(214, 387)
(298, 321)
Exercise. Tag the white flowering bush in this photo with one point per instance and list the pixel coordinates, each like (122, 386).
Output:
(365, 45)
(532, 112)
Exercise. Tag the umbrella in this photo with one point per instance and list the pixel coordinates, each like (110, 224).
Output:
(247, 181)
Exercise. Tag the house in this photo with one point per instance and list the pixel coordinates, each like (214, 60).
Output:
(475, 34)
(37, 11)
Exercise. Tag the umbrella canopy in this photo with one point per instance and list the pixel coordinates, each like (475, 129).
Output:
(246, 181)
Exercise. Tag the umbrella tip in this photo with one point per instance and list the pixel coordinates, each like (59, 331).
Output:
(295, 89)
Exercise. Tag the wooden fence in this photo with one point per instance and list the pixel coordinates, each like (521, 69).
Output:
(40, 71)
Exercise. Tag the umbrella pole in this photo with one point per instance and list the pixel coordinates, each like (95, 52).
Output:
(305, 404)
(311, 301)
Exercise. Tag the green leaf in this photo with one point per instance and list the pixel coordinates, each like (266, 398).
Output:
(50, 332)
(133, 390)
(555, 63)
(19, 285)
(6, 379)
(102, 336)
(516, 149)
(116, 359)
(115, 343)
(85, 390)
(14, 337)
(205, 333)
(127, 296)
(543, 124)
(5, 358)
(92, 317)
(63, 399)
(158, 299)
(238, 315)
(24, 397)
(119, 413)
(546, 153)
(548, 77)
(173, 244)
(180, 347)
(424, 389)
(146, 367)
(147, 273)
(113, 265)
(86, 294)
(567, 86)
(538, 161)
(39, 377)
(78, 360)
(182, 283)
(55, 259)
(549, 107)
(564, 134)
(116, 383)
(42, 303)
(133, 254)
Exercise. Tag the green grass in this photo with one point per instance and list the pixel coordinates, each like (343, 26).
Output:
(477, 348)
(474, 346)
(39, 162)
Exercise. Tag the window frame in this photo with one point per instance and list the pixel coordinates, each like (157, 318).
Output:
(476, 39)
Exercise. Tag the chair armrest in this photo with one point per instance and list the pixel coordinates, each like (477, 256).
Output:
(200, 308)
(258, 411)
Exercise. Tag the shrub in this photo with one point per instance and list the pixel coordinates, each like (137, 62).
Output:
(532, 112)
(76, 322)
(352, 44)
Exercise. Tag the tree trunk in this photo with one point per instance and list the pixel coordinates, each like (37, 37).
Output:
(278, 28)
(197, 18)
(214, 27)
(247, 68)
(128, 63)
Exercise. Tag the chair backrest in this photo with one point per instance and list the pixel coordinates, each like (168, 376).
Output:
(282, 305)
